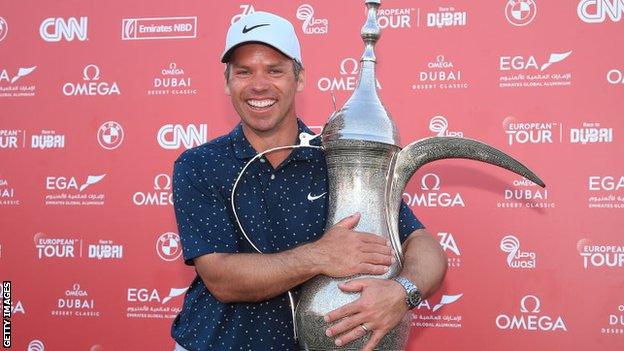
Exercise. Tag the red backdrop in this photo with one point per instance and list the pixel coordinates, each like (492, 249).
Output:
(97, 99)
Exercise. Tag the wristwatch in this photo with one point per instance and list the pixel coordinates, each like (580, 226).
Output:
(414, 296)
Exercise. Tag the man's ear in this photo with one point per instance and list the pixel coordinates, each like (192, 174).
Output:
(301, 81)
(227, 89)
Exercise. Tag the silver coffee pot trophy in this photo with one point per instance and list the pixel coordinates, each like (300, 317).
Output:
(368, 172)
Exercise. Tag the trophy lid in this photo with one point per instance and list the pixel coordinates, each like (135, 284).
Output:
(363, 117)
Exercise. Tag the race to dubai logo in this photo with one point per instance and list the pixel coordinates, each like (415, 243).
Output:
(4, 28)
(7, 194)
(75, 302)
(310, 24)
(615, 76)
(91, 84)
(36, 345)
(68, 191)
(9, 86)
(591, 133)
(346, 81)
(72, 248)
(395, 18)
(426, 316)
(531, 318)
(47, 139)
(449, 245)
(110, 135)
(159, 28)
(54, 29)
(615, 324)
(515, 257)
(520, 12)
(161, 194)
(596, 11)
(168, 246)
(105, 250)
(440, 74)
(525, 72)
(246, 9)
(606, 191)
(525, 194)
(172, 81)
(431, 194)
(173, 136)
(523, 133)
(446, 17)
(600, 255)
(146, 302)
(439, 125)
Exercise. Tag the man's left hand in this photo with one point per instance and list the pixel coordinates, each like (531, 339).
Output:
(380, 308)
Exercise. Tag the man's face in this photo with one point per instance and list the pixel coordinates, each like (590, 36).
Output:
(262, 86)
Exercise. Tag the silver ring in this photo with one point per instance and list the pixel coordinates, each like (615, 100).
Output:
(364, 327)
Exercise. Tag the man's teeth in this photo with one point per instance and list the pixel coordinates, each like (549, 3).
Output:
(260, 103)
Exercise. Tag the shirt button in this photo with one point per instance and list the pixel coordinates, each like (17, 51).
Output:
(272, 176)
(262, 160)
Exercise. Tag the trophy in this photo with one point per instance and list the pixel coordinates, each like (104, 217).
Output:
(368, 171)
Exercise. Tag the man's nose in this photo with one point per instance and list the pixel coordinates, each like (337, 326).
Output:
(259, 82)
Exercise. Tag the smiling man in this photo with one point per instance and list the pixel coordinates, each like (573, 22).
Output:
(238, 300)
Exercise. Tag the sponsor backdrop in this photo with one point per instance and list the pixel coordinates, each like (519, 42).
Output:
(98, 99)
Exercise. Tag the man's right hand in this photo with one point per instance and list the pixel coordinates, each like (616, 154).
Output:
(343, 252)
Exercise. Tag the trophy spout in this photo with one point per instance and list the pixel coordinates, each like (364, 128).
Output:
(423, 151)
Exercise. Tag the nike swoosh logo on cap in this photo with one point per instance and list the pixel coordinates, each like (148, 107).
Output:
(312, 198)
(245, 29)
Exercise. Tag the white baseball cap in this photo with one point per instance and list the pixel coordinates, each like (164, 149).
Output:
(263, 27)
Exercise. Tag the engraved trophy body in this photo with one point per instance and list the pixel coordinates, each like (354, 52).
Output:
(367, 172)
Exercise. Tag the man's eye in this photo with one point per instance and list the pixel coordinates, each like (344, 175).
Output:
(275, 71)
(241, 72)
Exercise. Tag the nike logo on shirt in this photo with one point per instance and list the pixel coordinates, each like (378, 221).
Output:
(245, 29)
(314, 197)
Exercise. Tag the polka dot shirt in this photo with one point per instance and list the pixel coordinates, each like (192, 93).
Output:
(273, 207)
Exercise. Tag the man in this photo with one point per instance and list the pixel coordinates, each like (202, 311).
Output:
(238, 299)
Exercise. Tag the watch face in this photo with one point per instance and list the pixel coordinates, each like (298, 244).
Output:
(414, 298)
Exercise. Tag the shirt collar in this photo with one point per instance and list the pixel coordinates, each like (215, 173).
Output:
(243, 149)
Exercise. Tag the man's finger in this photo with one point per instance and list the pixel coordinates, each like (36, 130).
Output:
(376, 248)
(349, 222)
(374, 340)
(341, 312)
(376, 258)
(355, 285)
(373, 239)
(353, 334)
(344, 325)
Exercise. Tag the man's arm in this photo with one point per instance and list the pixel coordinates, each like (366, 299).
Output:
(382, 305)
(251, 277)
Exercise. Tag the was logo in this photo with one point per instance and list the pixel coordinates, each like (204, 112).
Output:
(516, 258)
(439, 126)
(311, 25)
(4, 28)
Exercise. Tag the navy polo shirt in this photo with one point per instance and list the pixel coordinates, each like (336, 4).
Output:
(274, 209)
